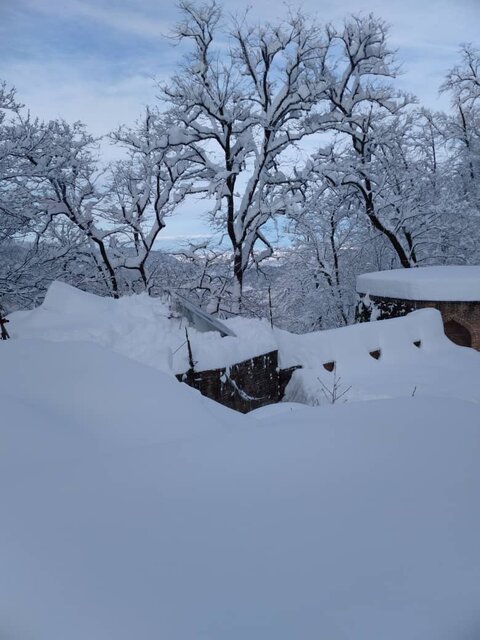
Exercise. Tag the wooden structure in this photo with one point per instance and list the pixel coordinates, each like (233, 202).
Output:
(245, 385)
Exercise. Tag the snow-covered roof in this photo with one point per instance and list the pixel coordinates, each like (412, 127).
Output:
(142, 328)
(446, 283)
(201, 320)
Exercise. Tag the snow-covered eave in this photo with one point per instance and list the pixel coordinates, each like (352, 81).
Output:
(455, 283)
(425, 298)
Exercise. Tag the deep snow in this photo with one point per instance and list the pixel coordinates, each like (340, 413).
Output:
(131, 507)
(144, 329)
(140, 327)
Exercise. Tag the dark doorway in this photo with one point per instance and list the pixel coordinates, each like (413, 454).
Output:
(458, 333)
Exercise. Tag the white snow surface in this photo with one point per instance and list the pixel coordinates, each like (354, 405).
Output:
(437, 368)
(142, 329)
(131, 507)
(139, 327)
(456, 283)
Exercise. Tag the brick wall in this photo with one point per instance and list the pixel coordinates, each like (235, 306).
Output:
(244, 386)
(465, 314)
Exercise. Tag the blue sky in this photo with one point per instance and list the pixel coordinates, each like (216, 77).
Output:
(96, 60)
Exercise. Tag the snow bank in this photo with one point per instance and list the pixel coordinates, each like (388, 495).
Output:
(143, 329)
(348, 345)
(80, 383)
(435, 367)
(139, 327)
(133, 508)
(447, 283)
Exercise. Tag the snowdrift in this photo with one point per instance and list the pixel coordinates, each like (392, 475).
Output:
(386, 359)
(134, 508)
(139, 327)
(145, 330)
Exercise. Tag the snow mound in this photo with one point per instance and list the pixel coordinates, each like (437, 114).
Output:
(373, 360)
(134, 508)
(81, 383)
(139, 327)
(447, 283)
(145, 330)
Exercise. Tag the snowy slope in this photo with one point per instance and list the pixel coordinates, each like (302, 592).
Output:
(134, 508)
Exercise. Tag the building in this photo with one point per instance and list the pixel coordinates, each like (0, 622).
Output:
(453, 290)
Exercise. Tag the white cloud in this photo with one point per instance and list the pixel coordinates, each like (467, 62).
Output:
(136, 18)
(59, 89)
(82, 85)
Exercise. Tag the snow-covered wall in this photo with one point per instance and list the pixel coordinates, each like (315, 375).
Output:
(351, 345)
(385, 359)
(452, 290)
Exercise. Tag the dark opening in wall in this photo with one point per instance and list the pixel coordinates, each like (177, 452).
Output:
(458, 333)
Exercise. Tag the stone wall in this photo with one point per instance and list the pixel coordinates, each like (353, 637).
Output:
(245, 385)
(461, 320)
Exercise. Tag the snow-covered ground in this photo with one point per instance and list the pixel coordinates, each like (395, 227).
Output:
(132, 507)
(437, 367)
(139, 327)
(143, 329)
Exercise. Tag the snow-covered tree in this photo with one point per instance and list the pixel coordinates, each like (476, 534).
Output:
(20, 260)
(12, 138)
(369, 127)
(317, 286)
(144, 190)
(462, 129)
(77, 212)
(241, 107)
